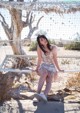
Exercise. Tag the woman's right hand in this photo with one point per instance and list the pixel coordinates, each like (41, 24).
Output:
(36, 70)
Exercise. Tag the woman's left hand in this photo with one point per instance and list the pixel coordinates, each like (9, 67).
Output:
(61, 70)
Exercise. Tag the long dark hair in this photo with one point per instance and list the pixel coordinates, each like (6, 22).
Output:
(42, 46)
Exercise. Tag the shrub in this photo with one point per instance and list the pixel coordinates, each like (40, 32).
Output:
(52, 42)
(5, 44)
(33, 46)
(74, 82)
(73, 46)
(60, 44)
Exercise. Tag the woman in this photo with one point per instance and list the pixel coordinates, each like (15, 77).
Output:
(47, 65)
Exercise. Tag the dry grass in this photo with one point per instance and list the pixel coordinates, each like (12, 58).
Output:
(74, 82)
(6, 83)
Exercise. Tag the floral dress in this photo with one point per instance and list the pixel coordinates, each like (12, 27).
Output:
(47, 65)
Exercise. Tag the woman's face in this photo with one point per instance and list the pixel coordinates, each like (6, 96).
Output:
(43, 41)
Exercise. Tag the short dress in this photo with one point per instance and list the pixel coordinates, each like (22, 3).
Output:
(47, 66)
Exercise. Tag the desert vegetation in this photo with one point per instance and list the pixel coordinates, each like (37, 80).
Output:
(73, 46)
(74, 82)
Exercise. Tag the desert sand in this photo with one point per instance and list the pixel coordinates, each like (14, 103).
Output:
(67, 105)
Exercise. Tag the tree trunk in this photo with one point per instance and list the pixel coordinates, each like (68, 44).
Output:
(17, 28)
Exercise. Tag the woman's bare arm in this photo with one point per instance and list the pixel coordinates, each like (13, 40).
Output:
(55, 58)
(39, 53)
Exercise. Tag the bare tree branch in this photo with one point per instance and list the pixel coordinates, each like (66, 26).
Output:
(27, 17)
(3, 20)
(27, 22)
(39, 21)
(36, 27)
(7, 31)
(30, 21)
(32, 29)
(5, 26)
(31, 18)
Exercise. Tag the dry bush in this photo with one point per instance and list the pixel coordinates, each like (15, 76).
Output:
(6, 83)
(74, 82)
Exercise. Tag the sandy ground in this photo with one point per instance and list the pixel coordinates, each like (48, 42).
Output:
(27, 106)
(4, 50)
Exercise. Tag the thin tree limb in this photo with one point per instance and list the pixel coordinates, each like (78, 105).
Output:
(3, 20)
(39, 21)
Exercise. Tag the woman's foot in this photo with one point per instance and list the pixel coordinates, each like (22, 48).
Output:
(35, 100)
(41, 97)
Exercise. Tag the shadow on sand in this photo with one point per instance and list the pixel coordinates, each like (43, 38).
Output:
(50, 107)
(55, 104)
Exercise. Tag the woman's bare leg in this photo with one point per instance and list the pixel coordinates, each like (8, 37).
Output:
(48, 84)
(42, 79)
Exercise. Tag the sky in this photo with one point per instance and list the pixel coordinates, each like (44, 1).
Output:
(56, 26)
